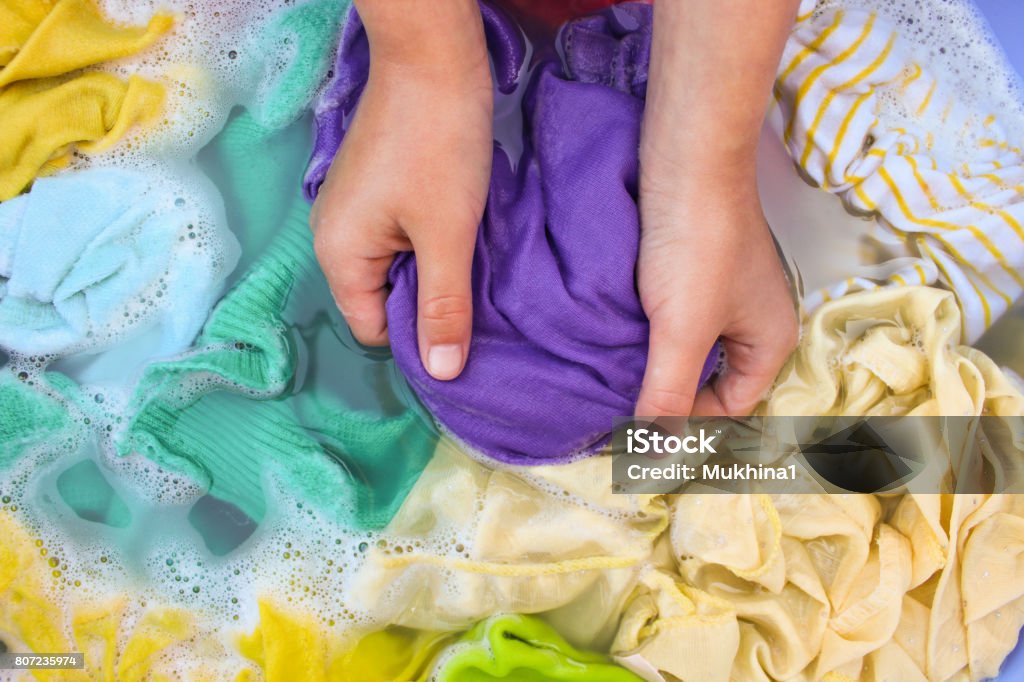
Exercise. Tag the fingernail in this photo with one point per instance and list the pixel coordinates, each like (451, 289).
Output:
(445, 361)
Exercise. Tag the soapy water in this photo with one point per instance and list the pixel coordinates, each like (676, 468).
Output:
(111, 524)
(115, 524)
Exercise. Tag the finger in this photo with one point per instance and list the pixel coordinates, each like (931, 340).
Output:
(359, 286)
(445, 301)
(753, 359)
(675, 359)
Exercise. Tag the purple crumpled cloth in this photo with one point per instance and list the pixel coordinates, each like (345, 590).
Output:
(559, 337)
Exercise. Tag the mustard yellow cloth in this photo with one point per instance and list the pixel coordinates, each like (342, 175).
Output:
(42, 121)
(119, 642)
(836, 588)
(288, 646)
(45, 112)
(39, 39)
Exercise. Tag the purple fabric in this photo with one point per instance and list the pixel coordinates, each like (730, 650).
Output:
(559, 336)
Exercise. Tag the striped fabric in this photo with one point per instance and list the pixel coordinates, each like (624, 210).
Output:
(868, 120)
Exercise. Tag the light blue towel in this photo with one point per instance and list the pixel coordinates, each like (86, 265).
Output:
(88, 257)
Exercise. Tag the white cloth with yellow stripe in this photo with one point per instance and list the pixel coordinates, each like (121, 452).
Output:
(876, 113)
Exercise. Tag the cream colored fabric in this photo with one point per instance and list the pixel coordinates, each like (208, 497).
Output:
(872, 118)
(668, 620)
(892, 351)
(849, 587)
(470, 542)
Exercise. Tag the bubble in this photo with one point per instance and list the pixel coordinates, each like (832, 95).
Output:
(198, 105)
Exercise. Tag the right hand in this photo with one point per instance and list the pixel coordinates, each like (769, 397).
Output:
(412, 175)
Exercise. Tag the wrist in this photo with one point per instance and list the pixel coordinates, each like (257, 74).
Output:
(701, 146)
(444, 38)
(699, 177)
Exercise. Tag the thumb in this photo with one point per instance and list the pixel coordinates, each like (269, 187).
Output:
(445, 320)
(674, 362)
(755, 354)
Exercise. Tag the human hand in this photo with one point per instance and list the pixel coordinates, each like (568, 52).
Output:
(412, 174)
(708, 269)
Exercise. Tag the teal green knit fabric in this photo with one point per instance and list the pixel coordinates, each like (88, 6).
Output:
(303, 40)
(257, 400)
(32, 410)
(238, 408)
(85, 489)
(227, 412)
(36, 411)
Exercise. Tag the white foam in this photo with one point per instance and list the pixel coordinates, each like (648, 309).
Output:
(301, 559)
(952, 40)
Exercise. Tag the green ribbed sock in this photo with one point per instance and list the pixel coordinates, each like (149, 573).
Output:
(226, 413)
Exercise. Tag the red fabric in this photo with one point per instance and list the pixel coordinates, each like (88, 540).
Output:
(554, 13)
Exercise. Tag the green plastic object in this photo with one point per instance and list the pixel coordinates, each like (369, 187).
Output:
(519, 648)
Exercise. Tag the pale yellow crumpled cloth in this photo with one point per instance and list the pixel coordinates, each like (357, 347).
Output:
(891, 352)
(470, 542)
(848, 587)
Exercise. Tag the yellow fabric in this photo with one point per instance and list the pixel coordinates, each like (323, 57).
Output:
(45, 112)
(667, 620)
(395, 655)
(940, 173)
(849, 587)
(122, 644)
(18, 19)
(34, 617)
(42, 121)
(470, 542)
(892, 351)
(289, 646)
(71, 36)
